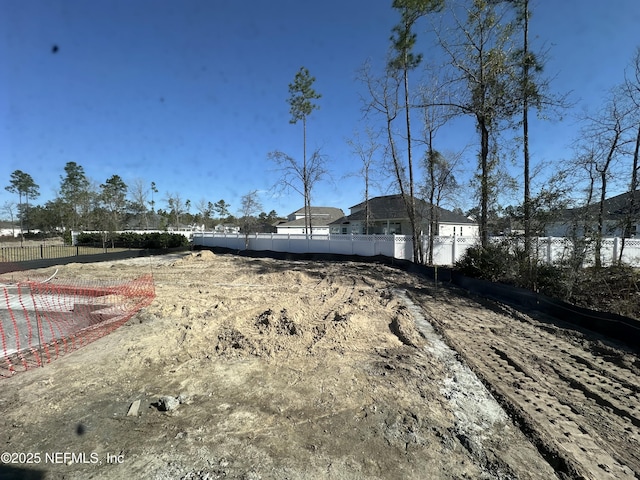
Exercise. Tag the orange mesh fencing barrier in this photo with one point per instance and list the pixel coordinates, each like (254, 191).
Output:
(40, 321)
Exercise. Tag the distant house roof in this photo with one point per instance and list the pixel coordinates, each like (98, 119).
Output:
(619, 205)
(319, 212)
(320, 217)
(615, 208)
(392, 207)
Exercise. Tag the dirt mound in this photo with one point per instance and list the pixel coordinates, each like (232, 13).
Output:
(287, 332)
(200, 256)
(281, 324)
(403, 326)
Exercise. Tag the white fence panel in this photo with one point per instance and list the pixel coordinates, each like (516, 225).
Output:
(631, 251)
(257, 242)
(280, 243)
(342, 244)
(403, 248)
(460, 246)
(442, 253)
(319, 244)
(446, 250)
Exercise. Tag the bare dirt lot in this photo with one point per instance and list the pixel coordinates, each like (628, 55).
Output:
(266, 369)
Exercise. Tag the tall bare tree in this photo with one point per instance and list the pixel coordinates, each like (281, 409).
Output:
(383, 99)
(439, 170)
(9, 208)
(176, 206)
(204, 208)
(533, 93)
(604, 135)
(139, 195)
(481, 54)
(301, 100)
(439, 184)
(528, 90)
(300, 177)
(404, 60)
(250, 206)
(366, 149)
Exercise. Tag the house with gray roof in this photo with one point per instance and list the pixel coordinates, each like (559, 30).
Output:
(388, 215)
(321, 218)
(617, 210)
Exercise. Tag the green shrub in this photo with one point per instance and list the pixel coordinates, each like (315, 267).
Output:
(613, 289)
(495, 263)
(152, 241)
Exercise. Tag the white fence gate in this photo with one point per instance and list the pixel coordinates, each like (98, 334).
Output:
(446, 250)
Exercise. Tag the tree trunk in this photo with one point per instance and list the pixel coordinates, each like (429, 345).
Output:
(21, 215)
(432, 191)
(366, 205)
(305, 180)
(484, 182)
(603, 192)
(525, 141)
(411, 205)
(600, 225)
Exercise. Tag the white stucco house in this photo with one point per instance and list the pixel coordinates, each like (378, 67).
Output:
(321, 218)
(388, 215)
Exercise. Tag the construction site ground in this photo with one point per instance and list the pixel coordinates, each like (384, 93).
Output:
(250, 368)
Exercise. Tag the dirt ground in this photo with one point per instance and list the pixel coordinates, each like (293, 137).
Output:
(275, 369)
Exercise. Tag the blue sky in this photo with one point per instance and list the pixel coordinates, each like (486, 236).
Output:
(192, 94)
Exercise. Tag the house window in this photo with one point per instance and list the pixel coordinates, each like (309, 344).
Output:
(461, 231)
(454, 231)
(344, 230)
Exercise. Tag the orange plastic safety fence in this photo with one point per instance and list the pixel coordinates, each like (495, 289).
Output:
(40, 321)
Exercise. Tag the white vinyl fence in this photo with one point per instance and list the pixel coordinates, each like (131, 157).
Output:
(446, 250)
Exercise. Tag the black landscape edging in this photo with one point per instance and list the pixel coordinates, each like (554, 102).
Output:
(623, 329)
(318, 257)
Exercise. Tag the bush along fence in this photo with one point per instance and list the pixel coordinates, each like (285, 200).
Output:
(147, 239)
(446, 251)
(42, 320)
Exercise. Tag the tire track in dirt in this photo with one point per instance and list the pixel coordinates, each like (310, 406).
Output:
(615, 394)
(580, 409)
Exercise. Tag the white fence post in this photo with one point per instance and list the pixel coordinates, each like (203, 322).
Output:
(453, 250)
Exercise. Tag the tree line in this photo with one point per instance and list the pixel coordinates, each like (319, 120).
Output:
(492, 76)
(83, 205)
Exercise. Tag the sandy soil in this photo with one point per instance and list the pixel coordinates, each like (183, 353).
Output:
(298, 370)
